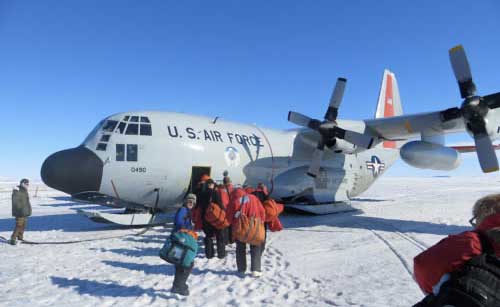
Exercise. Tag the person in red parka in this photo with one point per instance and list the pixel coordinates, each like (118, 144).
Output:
(252, 207)
(433, 267)
(224, 192)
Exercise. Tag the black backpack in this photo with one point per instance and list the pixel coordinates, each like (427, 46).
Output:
(476, 284)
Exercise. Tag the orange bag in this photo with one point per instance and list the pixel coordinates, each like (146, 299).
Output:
(273, 209)
(216, 216)
(190, 232)
(249, 230)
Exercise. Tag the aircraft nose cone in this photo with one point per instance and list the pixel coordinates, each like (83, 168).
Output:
(73, 171)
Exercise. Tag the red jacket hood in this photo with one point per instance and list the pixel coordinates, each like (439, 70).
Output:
(492, 221)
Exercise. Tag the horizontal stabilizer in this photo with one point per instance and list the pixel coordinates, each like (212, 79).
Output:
(469, 148)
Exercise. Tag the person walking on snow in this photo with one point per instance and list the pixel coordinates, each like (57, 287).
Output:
(252, 208)
(183, 220)
(21, 209)
(207, 196)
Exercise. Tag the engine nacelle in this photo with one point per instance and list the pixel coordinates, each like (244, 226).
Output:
(427, 155)
(345, 147)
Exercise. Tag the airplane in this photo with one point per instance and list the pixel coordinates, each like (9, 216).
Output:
(146, 162)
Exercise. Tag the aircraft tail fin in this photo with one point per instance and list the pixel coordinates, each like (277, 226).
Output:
(389, 102)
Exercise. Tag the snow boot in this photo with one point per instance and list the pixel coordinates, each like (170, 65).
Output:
(184, 292)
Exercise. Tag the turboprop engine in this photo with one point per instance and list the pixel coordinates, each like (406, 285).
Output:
(428, 155)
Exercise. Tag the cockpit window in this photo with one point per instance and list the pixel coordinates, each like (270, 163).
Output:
(105, 138)
(121, 127)
(125, 119)
(144, 119)
(102, 146)
(134, 119)
(146, 130)
(110, 125)
(132, 129)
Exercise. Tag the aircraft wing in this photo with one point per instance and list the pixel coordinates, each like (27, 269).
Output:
(404, 127)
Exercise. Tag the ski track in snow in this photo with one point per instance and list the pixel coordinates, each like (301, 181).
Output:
(361, 258)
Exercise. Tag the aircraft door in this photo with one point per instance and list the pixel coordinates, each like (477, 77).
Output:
(196, 173)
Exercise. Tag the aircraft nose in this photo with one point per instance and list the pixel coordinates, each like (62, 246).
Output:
(73, 170)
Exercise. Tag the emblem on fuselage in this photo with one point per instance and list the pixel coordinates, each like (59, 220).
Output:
(232, 156)
(375, 165)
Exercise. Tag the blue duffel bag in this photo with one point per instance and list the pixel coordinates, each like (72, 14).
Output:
(180, 249)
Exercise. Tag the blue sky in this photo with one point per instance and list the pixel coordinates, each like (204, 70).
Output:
(65, 66)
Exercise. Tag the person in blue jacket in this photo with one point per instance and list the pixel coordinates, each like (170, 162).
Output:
(183, 220)
(183, 217)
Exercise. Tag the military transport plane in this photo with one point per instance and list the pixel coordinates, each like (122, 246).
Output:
(150, 160)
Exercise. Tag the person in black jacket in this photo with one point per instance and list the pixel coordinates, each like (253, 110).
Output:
(205, 196)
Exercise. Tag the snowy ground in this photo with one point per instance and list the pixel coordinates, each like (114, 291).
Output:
(362, 258)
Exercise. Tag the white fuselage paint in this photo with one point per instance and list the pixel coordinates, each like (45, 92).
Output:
(249, 154)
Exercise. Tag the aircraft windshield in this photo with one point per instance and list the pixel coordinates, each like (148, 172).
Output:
(134, 125)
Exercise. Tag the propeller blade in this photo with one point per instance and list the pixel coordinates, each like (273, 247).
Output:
(493, 100)
(486, 153)
(299, 119)
(335, 100)
(316, 159)
(356, 138)
(462, 71)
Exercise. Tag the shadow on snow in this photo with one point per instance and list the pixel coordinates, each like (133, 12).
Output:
(353, 220)
(96, 288)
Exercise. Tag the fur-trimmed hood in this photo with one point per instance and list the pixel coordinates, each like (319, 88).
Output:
(491, 226)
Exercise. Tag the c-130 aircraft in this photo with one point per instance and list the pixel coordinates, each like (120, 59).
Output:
(149, 160)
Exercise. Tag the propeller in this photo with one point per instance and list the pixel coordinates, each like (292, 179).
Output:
(473, 110)
(328, 128)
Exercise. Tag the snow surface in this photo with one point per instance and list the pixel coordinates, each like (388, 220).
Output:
(361, 258)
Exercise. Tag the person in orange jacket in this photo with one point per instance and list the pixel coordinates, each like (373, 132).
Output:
(252, 207)
(432, 268)
(224, 193)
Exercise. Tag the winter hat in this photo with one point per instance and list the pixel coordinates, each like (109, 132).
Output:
(485, 207)
(24, 181)
(204, 177)
(190, 196)
(210, 181)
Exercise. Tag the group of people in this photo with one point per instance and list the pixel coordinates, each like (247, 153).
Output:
(460, 270)
(233, 202)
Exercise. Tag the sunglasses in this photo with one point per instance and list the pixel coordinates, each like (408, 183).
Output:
(473, 221)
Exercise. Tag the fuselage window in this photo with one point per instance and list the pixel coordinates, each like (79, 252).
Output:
(131, 152)
(132, 129)
(146, 129)
(144, 119)
(101, 146)
(134, 119)
(120, 152)
(121, 127)
(105, 138)
(125, 119)
(110, 125)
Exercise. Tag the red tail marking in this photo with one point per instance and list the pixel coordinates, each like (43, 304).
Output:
(389, 107)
